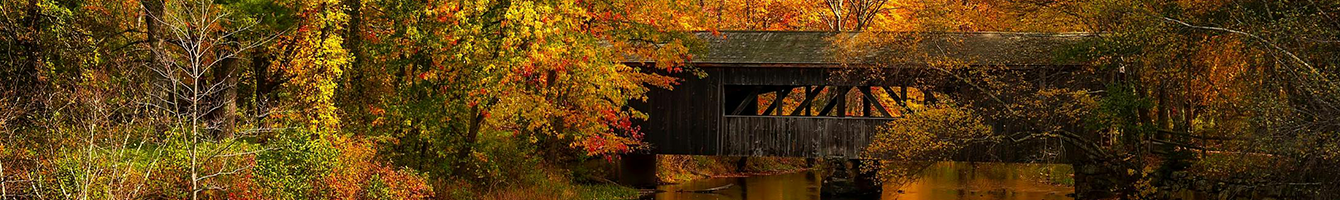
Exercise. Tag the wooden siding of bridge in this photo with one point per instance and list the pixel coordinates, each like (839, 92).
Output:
(684, 120)
(796, 136)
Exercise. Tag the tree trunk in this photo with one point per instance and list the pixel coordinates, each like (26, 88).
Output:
(226, 101)
(470, 136)
(352, 97)
(154, 11)
(262, 86)
(34, 46)
(353, 41)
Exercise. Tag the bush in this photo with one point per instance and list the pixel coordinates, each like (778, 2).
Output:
(294, 165)
(360, 174)
(333, 167)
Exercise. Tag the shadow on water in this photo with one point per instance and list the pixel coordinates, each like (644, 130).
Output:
(945, 180)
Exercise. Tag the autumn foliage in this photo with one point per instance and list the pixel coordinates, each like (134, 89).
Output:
(390, 99)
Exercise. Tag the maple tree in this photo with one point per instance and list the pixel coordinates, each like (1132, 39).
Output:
(540, 72)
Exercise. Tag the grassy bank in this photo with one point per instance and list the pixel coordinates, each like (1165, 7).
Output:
(546, 182)
(680, 168)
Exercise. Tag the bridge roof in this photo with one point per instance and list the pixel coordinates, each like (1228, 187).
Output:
(806, 48)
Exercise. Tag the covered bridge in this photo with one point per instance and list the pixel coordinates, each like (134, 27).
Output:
(731, 111)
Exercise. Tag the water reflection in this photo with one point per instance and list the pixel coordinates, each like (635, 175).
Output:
(945, 180)
(957, 180)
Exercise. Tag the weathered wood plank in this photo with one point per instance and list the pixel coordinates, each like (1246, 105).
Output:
(685, 120)
(789, 136)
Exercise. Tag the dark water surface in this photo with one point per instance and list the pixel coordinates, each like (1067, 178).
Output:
(945, 180)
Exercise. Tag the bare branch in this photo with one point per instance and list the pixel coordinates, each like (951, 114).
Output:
(221, 173)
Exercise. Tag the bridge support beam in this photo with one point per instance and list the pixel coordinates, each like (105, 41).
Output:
(848, 180)
(1092, 181)
(638, 170)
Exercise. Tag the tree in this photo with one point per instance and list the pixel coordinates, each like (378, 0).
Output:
(71, 117)
(1224, 79)
(547, 70)
(195, 68)
(1190, 91)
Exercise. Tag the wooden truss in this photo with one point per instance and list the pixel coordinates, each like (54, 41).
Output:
(834, 101)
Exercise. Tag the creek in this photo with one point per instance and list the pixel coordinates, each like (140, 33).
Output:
(939, 181)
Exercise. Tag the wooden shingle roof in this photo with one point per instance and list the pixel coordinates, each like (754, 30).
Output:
(802, 48)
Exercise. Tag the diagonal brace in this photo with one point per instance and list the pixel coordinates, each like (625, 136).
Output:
(865, 92)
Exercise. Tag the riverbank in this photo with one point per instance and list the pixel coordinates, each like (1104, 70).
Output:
(673, 169)
(586, 179)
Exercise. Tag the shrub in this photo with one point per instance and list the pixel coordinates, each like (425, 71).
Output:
(294, 165)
